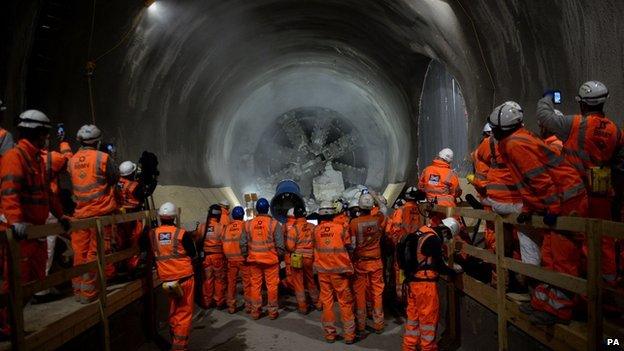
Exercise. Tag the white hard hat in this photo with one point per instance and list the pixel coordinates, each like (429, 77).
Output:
(326, 208)
(354, 203)
(487, 128)
(506, 116)
(366, 201)
(167, 210)
(446, 154)
(89, 134)
(452, 224)
(126, 168)
(33, 119)
(224, 203)
(291, 212)
(593, 93)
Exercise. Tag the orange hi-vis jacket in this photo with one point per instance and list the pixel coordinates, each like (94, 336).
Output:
(264, 234)
(555, 144)
(592, 142)
(225, 216)
(330, 248)
(127, 188)
(367, 230)
(547, 179)
(213, 241)
(500, 185)
(404, 220)
(299, 238)
(425, 269)
(93, 182)
(439, 182)
(481, 160)
(231, 240)
(25, 194)
(342, 218)
(172, 261)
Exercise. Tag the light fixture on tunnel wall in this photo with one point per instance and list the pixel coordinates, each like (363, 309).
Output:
(149, 3)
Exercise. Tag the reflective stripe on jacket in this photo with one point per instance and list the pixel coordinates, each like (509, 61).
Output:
(94, 192)
(439, 182)
(367, 230)
(231, 240)
(425, 263)
(213, 239)
(265, 240)
(172, 261)
(299, 238)
(330, 248)
(406, 219)
(128, 188)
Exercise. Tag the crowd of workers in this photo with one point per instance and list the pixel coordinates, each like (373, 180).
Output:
(354, 252)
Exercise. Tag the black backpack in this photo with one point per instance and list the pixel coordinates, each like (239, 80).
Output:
(407, 251)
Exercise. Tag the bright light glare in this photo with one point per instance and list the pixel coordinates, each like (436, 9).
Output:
(153, 6)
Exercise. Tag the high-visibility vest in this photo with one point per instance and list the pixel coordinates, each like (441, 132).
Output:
(172, 261)
(127, 188)
(367, 230)
(24, 189)
(406, 219)
(330, 253)
(231, 240)
(501, 186)
(225, 216)
(342, 218)
(92, 193)
(261, 244)
(592, 142)
(481, 159)
(213, 239)
(425, 269)
(547, 179)
(439, 182)
(555, 144)
(299, 238)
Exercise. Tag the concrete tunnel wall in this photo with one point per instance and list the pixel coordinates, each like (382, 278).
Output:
(196, 81)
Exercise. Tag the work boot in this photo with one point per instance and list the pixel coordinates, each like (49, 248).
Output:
(273, 315)
(526, 308)
(221, 306)
(542, 318)
(330, 338)
(349, 341)
(303, 311)
(255, 316)
(379, 329)
(361, 334)
(231, 310)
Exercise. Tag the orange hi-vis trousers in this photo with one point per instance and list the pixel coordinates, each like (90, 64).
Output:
(215, 279)
(300, 278)
(423, 308)
(181, 315)
(269, 273)
(369, 279)
(84, 244)
(236, 268)
(336, 284)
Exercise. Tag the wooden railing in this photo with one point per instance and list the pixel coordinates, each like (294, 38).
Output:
(18, 291)
(591, 287)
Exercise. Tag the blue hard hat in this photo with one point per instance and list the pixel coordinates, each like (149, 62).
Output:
(262, 206)
(238, 213)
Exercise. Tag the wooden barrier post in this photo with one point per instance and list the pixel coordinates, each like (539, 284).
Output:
(501, 280)
(16, 297)
(102, 283)
(453, 322)
(594, 285)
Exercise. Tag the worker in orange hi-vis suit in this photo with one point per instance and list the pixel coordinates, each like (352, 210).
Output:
(236, 265)
(440, 183)
(174, 251)
(423, 262)
(332, 245)
(94, 178)
(404, 220)
(132, 196)
(368, 230)
(290, 222)
(210, 239)
(263, 241)
(225, 212)
(341, 216)
(299, 247)
(25, 199)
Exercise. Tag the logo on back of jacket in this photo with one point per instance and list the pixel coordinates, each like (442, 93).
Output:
(81, 165)
(434, 179)
(327, 235)
(164, 238)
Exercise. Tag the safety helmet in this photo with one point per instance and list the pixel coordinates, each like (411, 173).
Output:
(167, 210)
(291, 212)
(299, 212)
(238, 212)
(411, 193)
(452, 224)
(354, 203)
(33, 119)
(487, 128)
(225, 204)
(214, 211)
(126, 168)
(262, 206)
(592, 93)
(506, 116)
(89, 134)
(446, 154)
(326, 208)
(338, 206)
(366, 201)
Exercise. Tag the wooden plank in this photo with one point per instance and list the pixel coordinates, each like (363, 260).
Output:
(501, 292)
(41, 231)
(57, 278)
(102, 284)
(453, 303)
(16, 297)
(613, 229)
(125, 217)
(565, 281)
(477, 252)
(594, 290)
